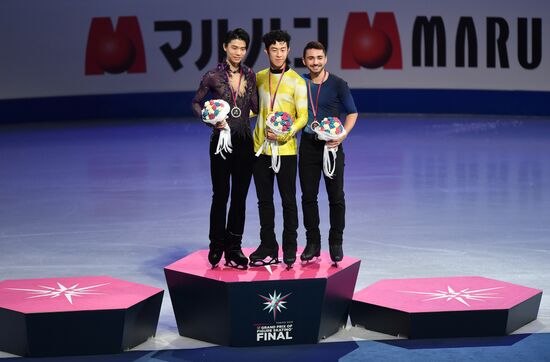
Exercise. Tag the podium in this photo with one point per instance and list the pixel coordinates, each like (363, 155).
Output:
(267, 305)
(76, 316)
(470, 306)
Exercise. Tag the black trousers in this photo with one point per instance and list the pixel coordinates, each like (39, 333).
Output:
(230, 177)
(286, 182)
(311, 169)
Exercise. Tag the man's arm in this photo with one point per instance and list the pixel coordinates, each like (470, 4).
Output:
(196, 103)
(348, 104)
(348, 126)
(254, 100)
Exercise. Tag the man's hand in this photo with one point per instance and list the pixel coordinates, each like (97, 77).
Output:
(336, 143)
(271, 135)
(221, 124)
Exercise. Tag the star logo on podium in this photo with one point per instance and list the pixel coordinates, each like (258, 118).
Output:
(61, 290)
(462, 296)
(274, 303)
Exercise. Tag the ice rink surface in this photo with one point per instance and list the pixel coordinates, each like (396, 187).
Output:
(427, 196)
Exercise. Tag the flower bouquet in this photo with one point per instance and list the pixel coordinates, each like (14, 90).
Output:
(280, 123)
(214, 111)
(329, 129)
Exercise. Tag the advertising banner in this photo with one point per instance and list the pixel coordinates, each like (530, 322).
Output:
(67, 47)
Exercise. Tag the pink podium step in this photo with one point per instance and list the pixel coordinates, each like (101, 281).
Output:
(76, 316)
(445, 307)
(261, 305)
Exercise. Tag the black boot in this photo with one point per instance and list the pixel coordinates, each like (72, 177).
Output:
(289, 253)
(235, 258)
(336, 253)
(265, 255)
(215, 253)
(312, 250)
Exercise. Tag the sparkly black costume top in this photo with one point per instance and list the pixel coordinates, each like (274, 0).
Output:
(216, 83)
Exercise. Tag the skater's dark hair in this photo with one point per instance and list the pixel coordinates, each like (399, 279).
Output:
(275, 36)
(238, 33)
(314, 45)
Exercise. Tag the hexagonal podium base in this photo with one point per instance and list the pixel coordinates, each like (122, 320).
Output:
(445, 307)
(261, 305)
(76, 316)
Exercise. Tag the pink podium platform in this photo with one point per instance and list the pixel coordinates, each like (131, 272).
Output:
(468, 306)
(76, 316)
(261, 305)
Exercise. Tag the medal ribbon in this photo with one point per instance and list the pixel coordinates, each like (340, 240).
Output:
(315, 107)
(272, 98)
(235, 94)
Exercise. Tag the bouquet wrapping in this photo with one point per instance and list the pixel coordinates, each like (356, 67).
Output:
(280, 123)
(214, 111)
(329, 129)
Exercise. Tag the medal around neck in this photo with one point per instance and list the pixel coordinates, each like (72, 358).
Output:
(329, 129)
(214, 111)
(236, 112)
(280, 123)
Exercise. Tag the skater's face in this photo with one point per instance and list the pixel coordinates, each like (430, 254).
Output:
(235, 50)
(277, 54)
(315, 60)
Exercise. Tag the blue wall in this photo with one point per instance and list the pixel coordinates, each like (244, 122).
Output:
(177, 104)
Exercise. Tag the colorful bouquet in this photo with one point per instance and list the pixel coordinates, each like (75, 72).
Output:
(280, 123)
(214, 111)
(329, 129)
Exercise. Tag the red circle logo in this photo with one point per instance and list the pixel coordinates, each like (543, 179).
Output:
(115, 53)
(371, 48)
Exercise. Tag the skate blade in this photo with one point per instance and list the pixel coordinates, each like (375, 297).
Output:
(234, 265)
(264, 262)
(315, 259)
